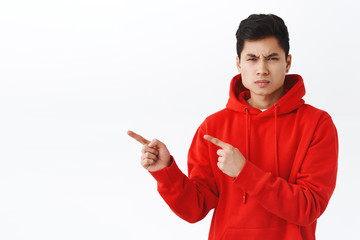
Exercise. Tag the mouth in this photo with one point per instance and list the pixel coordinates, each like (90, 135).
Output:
(262, 83)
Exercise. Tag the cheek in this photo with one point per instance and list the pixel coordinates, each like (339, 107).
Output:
(247, 72)
(244, 68)
(245, 75)
(278, 70)
(245, 80)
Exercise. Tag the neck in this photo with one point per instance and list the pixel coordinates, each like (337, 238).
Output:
(264, 102)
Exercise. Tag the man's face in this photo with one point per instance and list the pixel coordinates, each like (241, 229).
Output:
(263, 67)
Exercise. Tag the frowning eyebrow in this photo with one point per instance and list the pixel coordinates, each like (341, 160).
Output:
(272, 55)
(269, 56)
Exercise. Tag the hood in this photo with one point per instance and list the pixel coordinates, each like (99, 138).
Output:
(294, 91)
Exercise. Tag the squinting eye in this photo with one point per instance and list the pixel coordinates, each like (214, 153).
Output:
(251, 59)
(273, 59)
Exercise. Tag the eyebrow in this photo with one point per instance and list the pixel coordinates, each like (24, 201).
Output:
(271, 55)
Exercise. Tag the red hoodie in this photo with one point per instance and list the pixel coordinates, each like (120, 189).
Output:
(290, 173)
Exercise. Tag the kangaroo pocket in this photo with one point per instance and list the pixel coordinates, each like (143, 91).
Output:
(288, 231)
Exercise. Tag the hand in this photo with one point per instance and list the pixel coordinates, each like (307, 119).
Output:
(230, 161)
(155, 156)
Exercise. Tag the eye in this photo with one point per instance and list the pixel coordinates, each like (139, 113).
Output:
(251, 59)
(273, 59)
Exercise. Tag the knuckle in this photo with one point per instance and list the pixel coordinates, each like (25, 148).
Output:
(147, 162)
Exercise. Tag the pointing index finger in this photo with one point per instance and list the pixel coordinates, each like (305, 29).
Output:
(137, 137)
(216, 141)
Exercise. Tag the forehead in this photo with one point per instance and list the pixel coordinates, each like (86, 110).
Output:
(263, 47)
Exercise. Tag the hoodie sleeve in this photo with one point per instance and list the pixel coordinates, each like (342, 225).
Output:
(305, 200)
(191, 198)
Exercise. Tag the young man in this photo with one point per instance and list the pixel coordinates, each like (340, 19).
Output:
(267, 163)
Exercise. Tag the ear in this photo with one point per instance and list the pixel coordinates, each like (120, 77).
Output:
(288, 63)
(238, 64)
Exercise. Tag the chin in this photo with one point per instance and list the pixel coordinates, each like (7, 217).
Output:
(263, 93)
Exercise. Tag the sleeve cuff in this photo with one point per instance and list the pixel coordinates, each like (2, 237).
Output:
(250, 178)
(168, 174)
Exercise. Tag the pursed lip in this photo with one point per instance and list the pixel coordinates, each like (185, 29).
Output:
(262, 82)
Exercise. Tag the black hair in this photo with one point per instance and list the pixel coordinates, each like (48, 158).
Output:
(260, 26)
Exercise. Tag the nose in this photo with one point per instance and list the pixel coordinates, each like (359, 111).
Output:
(262, 67)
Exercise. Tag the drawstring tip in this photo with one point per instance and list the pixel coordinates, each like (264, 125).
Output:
(244, 198)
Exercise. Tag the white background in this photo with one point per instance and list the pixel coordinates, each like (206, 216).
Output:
(75, 75)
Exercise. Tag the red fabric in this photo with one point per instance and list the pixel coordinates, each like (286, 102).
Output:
(298, 139)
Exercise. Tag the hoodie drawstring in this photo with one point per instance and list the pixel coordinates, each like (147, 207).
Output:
(276, 142)
(247, 134)
(246, 145)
